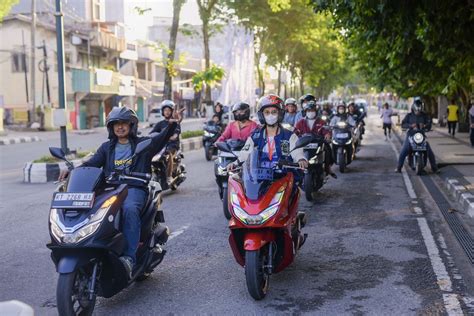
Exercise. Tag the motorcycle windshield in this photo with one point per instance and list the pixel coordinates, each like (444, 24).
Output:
(235, 144)
(256, 179)
(84, 179)
(211, 127)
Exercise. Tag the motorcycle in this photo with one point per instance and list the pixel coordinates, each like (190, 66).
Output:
(85, 224)
(220, 171)
(314, 177)
(418, 151)
(212, 132)
(342, 145)
(265, 228)
(159, 165)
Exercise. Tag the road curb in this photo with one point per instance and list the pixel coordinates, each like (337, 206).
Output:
(18, 140)
(462, 195)
(38, 172)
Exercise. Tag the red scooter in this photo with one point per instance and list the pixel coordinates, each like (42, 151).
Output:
(265, 225)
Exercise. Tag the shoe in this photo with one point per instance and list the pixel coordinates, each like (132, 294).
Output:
(398, 170)
(436, 171)
(128, 265)
(332, 174)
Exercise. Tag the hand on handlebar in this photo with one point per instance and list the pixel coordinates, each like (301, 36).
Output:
(63, 174)
(303, 164)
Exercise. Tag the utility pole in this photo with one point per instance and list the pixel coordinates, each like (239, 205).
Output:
(43, 67)
(23, 59)
(61, 70)
(33, 61)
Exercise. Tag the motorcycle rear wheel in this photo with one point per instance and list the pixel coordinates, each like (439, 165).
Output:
(208, 151)
(257, 279)
(72, 294)
(225, 203)
(342, 161)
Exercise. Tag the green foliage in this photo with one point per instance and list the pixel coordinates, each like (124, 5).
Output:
(141, 11)
(5, 7)
(208, 77)
(190, 134)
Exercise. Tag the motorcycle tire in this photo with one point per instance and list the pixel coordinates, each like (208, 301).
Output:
(308, 186)
(342, 161)
(257, 279)
(67, 298)
(225, 203)
(419, 165)
(208, 151)
(142, 277)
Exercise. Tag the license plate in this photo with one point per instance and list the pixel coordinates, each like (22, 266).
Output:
(342, 135)
(72, 200)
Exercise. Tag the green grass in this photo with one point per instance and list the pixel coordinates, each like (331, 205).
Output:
(51, 159)
(189, 134)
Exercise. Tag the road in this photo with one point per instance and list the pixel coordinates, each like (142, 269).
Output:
(371, 250)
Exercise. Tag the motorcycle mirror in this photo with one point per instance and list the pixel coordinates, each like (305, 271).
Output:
(57, 153)
(222, 146)
(303, 141)
(141, 146)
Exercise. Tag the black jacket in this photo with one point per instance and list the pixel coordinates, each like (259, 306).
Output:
(161, 126)
(105, 154)
(411, 118)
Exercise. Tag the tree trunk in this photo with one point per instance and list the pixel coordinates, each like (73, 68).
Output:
(301, 81)
(207, 56)
(168, 84)
(279, 81)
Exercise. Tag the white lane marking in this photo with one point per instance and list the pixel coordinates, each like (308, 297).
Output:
(451, 300)
(178, 232)
(418, 210)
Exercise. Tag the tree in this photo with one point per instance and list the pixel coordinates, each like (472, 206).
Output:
(207, 78)
(168, 84)
(5, 7)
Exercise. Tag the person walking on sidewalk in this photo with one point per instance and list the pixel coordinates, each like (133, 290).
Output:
(413, 120)
(453, 118)
(386, 117)
(471, 121)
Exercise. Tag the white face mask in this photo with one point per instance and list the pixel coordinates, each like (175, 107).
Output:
(341, 111)
(271, 119)
(311, 115)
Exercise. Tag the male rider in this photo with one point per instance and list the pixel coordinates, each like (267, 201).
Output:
(292, 115)
(414, 120)
(242, 127)
(314, 124)
(167, 109)
(122, 125)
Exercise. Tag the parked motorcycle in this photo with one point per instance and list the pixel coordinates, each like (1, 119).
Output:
(342, 145)
(265, 225)
(85, 225)
(220, 170)
(159, 164)
(418, 151)
(314, 177)
(212, 132)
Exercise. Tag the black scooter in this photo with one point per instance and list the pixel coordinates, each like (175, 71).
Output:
(159, 164)
(342, 145)
(220, 171)
(314, 177)
(418, 151)
(86, 236)
(212, 132)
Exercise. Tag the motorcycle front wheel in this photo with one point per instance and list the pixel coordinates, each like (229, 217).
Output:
(308, 186)
(72, 296)
(255, 275)
(225, 203)
(208, 151)
(342, 161)
(419, 165)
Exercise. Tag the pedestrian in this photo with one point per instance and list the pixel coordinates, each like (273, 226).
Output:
(379, 104)
(386, 117)
(471, 121)
(453, 117)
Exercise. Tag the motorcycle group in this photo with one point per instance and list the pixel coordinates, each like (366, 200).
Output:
(106, 223)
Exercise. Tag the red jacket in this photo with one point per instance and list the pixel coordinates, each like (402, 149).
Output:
(233, 131)
(302, 127)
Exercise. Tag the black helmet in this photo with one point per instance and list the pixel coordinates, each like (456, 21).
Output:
(307, 97)
(311, 105)
(271, 100)
(167, 104)
(124, 114)
(241, 106)
(417, 105)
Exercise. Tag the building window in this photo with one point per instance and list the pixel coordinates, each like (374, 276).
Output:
(19, 63)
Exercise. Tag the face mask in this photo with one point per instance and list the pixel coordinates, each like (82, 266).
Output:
(341, 111)
(271, 119)
(310, 115)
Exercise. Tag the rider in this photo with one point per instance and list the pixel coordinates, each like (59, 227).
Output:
(357, 116)
(167, 109)
(271, 139)
(313, 123)
(292, 115)
(122, 126)
(242, 127)
(342, 115)
(416, 119)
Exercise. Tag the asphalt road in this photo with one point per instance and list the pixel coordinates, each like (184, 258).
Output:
(366, 251)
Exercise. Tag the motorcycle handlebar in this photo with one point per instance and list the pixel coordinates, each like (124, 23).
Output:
(145, 176)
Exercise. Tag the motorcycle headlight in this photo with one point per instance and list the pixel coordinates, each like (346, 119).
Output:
(207, 134)
(341, 124)
(263, 216)
(90, 226)
(349, 142)
(324, 118)
(418, 138)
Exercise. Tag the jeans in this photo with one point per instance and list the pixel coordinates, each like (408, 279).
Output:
(404, 154)
(132, 207)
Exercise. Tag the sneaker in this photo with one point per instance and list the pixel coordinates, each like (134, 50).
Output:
(398, 170)
(128, 265)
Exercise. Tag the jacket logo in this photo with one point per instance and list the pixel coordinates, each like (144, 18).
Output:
(285, 147)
